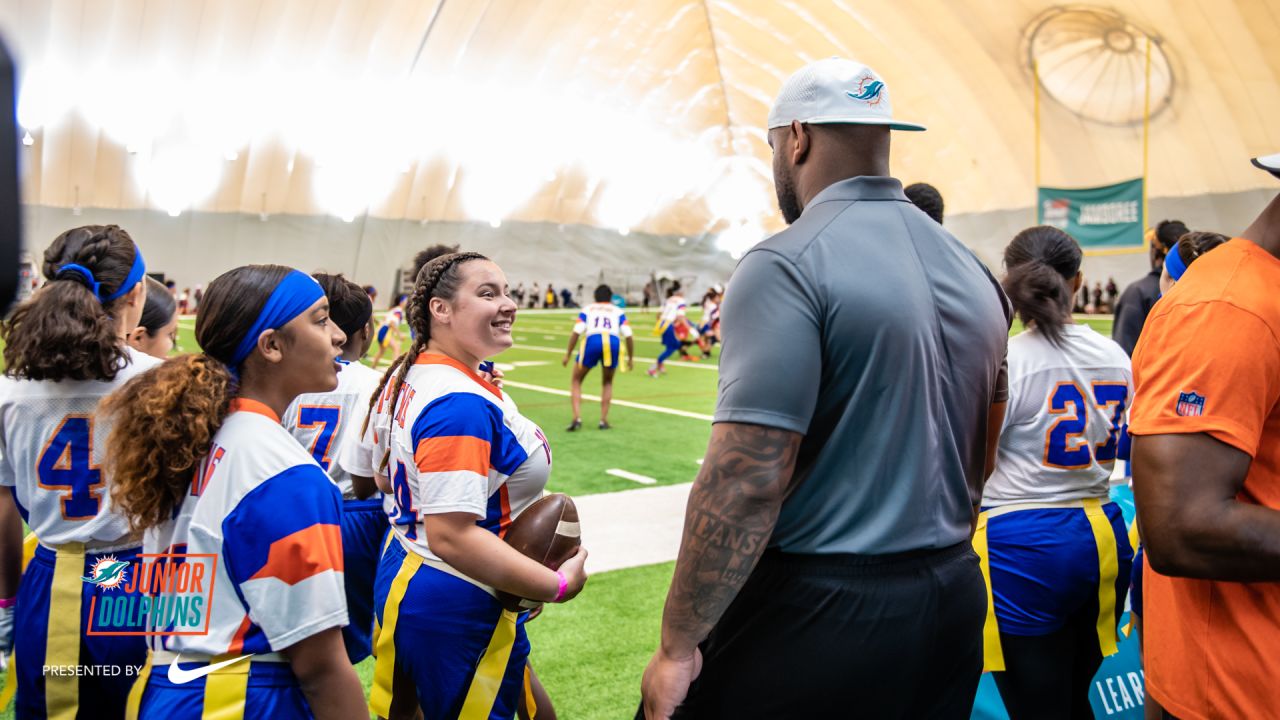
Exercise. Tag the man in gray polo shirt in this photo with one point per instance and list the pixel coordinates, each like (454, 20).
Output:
(825, 568)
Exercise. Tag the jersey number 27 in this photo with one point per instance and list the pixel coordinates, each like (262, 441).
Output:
(1064, 446)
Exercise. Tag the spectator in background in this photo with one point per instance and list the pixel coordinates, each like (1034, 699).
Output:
(578, 297)
(425, 256)
(1097, 298)
(648, 295)
(1137, 299)
(535, 296)
(550, 300)
(184, 300)
(518, 295)
(1112, 292)
(927, 198)
(566, 298)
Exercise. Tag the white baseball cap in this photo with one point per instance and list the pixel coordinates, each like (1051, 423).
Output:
(1270, 163)
(834, 91)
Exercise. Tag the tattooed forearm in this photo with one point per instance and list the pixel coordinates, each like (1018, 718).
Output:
(732, 510)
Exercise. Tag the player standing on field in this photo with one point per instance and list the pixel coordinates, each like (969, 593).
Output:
(64, 351)
(206, 468)
(157, 331)
(601, 326)
(325, 424)
(388, 336)
(1054, 546)
(462, 463)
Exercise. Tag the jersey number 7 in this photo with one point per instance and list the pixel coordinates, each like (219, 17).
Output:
(326, 417)
(1064, 446)
(66, 464)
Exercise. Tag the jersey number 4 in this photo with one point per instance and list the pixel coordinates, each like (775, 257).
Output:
(66, 465)
(405, 514)
(325, 417)
(1065, 447)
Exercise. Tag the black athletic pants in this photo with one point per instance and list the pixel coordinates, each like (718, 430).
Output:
(843, 636)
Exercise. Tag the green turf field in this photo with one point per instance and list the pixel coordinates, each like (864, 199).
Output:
(590, 653)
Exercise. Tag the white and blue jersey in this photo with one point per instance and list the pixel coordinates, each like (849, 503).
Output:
(454, 443)
(51, 458)
(325, 422)
(393, 320)
(271, 515)
(601, 327)
(1055, 545)
(458, 444)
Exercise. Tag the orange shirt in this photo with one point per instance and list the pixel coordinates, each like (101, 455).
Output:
(1208, 360)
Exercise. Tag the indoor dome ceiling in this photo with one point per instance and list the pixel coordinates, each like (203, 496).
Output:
(624, 115)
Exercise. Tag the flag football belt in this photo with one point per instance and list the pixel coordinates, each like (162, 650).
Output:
(1108, 569)
(487, 679)
(225, 689)
(62, 638)
(446, 568)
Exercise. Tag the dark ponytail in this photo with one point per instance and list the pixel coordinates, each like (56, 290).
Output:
(349, 305)
(1194, 244)
(438, 279)
(1040, 263)
(164, 420)
(64, 332)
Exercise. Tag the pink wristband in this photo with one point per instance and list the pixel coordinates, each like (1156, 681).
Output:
(10, 602)
(564, 585)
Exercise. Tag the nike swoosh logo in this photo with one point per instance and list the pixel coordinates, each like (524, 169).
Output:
(178, 676)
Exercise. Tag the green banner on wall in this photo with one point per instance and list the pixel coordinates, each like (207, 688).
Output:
(1103, 219)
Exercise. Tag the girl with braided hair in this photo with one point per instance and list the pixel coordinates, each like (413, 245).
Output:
(202, 463)
(462, 463)
(64, 351)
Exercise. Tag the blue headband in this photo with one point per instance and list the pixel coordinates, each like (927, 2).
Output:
(1173, 263)
(133, 278)
(296, 293)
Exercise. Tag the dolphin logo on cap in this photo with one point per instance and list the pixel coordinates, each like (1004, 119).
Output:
(868, 92)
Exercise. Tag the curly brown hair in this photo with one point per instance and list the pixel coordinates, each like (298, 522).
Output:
(164, 420)
(64, 332)
(439, 278)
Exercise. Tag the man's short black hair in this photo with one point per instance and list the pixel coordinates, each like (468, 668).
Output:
(603, 293)
(425, 256)
(927, 198)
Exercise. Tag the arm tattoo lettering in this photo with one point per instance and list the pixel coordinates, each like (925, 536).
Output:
(732, 510)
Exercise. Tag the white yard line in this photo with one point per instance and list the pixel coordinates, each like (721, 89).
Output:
(642, 479)
(673, 363)
(632, 527)
(596, 398)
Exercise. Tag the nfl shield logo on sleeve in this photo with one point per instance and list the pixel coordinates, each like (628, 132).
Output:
(1190, 404)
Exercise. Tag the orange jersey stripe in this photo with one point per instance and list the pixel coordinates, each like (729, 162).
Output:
(237, 641)
(305, 553)
(453, 453)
